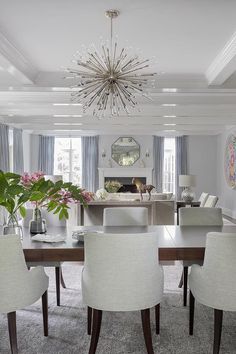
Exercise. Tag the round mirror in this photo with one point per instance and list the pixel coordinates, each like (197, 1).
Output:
(125, 151)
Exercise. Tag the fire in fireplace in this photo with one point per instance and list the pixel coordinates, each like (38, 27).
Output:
(127, 186)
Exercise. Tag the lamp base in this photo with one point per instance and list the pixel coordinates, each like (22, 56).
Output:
(187, 195)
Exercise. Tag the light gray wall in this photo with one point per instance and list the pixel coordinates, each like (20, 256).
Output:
(145, 142)
(34, 151)
(202, 162)
(26, 137)
(227, 195)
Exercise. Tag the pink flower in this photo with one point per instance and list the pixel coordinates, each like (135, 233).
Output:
(27, 179)
(87, 196)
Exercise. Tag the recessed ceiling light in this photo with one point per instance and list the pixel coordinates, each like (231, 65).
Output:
(10, 115)
(169, 90)
(67, 115)
(169, 124)
(67, 130)
(68, 123)
(169, 130)
(66, 89)
(67, 104)
(168, 104)
(171, 116)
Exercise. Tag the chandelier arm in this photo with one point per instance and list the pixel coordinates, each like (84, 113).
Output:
(97, 84)
(98, 92)
(120, 96)
(130, 98)
(131, 71)
(105, 58)
(134, 65)
(99, 61)
(88, 67)
(120, 58)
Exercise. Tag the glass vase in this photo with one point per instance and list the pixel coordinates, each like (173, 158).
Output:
(12, 227)
(37, 225)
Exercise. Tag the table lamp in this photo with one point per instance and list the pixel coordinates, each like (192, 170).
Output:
(187, 181)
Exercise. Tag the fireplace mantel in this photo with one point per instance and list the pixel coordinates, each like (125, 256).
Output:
(124, 172)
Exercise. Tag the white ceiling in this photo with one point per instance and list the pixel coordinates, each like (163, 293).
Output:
(192, 41)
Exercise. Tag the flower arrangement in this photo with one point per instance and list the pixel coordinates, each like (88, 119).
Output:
(102, 194)
(16, 190)
(112, 186)
(53, 196)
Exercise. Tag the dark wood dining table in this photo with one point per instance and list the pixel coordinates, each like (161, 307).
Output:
(174, 242)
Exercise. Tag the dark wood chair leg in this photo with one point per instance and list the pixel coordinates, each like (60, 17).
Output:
(45, 313)
(97, 320)
(145, 314)
(181, 281)
(157, 315)
(89, 319)
(11, 317)
(185, 282)
(218, 317)
(191, 313)
(62, 280)
(58, 291)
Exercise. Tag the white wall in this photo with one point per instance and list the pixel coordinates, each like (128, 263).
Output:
(227, 195)
(202, 162)
(34, 152)
(145, 142)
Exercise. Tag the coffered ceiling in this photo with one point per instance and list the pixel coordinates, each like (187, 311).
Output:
(193, 42)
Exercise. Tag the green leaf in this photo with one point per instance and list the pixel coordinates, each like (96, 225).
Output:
(14, 190)
(10, 175)
(22, 211)
(36, 196)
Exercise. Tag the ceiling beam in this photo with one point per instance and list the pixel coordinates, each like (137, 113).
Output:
(14, 62)
(224, 64)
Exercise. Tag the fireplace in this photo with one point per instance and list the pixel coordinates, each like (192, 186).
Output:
(127, 186)
(125, 175)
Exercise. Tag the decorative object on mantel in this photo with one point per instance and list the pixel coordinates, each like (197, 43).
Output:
(143, 188)
(109, 81)
(102, 194)
(230, 161)
(112, 186)
(103, 153)
(125, 151)
(187, 181)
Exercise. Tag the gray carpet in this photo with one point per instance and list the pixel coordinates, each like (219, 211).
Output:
(121, 333)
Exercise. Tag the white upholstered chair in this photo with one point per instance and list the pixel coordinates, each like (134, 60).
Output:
(125, 216)
(197, 217)
(121, 273)
(211, 201)
(19, 286)
(214, 284)
(51, 220)
(203, 198)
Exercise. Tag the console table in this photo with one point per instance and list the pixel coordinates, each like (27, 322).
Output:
(160, 212)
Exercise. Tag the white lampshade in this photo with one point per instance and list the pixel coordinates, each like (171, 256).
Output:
(187, 180)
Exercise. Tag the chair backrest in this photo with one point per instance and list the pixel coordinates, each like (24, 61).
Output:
(121, 272)
(51, 219)
(211, 201)
(125, 216)
(219, 269)
(201, 216)
(203, 198)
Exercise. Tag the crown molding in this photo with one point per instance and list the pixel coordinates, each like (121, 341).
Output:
(224, 64)
(15, 63)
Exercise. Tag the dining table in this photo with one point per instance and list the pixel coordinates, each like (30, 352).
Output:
(174, 242)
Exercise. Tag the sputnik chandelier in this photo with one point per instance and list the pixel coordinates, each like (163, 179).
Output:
(109, 81)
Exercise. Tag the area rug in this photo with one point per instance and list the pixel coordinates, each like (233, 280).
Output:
(121, 333)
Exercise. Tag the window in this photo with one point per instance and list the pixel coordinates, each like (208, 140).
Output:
(67, 159)
(169, 165)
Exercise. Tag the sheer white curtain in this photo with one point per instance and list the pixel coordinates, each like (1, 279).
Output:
(158, 159)
(89, 147)
(46, 154)
(181, 161)
(18, 156)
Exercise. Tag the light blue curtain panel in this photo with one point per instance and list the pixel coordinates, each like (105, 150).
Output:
(89, 146)
(18, 156)
(46, 154)
(4, 148)
(158, 160)
(181, 161)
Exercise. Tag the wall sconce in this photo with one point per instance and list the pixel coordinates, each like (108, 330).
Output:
(147, 154)
(103, 154)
